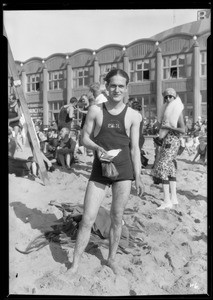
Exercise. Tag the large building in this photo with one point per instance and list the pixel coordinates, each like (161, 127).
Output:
(174, 58)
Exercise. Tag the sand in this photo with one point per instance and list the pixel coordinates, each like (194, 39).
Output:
(172, 260)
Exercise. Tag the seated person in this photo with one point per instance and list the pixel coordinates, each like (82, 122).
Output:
(42, 140)
(201, 151)
(172, 111)
(66, 149)
(51, 144)
(54, 125)
(18, 166)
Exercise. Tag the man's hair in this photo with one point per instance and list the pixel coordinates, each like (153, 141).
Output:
(66, 130)
(83, 95)
(114, 72)
(94, 86)
(73, 100)
(136, 105)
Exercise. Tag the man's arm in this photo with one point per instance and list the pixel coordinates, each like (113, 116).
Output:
(82, 111)
(135, 152)
(70, 111)
(88, 129)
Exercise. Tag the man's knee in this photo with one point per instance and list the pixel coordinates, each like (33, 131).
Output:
(116, 218)
(87, 222)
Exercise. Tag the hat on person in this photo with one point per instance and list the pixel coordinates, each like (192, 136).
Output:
(170, 91)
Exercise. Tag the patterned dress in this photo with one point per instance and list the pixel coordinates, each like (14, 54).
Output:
(165, 167)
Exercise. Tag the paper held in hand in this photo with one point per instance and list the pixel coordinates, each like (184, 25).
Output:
(111, 154)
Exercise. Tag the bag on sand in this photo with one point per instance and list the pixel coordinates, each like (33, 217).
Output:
(109, 170)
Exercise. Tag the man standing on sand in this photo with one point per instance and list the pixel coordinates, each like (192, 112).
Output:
(110, 125)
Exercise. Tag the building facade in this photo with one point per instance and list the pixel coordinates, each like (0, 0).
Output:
(175, 58)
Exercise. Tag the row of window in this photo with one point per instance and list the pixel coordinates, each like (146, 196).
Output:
(174, 67)
(148, 103)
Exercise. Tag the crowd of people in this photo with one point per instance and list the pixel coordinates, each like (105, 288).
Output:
(60, 142)
(113, 133)
(191, 129)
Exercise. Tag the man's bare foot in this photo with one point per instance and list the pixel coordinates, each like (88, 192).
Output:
(111, 263)
(73, 269)
(174, 201)
(165, 205)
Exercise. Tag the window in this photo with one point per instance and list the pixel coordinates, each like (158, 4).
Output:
(142, 70)
(56, 80)
(175, 66)
(104, 69)
(33, 83)
(81, 77)
(189, 100)
(203, 96)
(132, 72)
(148, 103)
(203, 70)
(55, 106)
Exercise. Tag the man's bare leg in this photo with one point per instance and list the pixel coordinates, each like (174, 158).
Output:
(93, 198)
(120, 196)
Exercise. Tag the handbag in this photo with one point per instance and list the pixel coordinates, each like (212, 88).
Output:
(109, 170)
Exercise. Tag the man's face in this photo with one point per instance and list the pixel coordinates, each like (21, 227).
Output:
(11, 99)
(117, 88)
(85, 100)
(62, 133)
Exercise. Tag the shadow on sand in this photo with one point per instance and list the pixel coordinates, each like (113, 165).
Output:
(44, 222)
(190, 196)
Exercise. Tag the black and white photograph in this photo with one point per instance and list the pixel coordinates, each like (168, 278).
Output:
(107, 151)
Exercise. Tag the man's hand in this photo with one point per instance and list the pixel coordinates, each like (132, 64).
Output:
(139, 186)
(100, 151)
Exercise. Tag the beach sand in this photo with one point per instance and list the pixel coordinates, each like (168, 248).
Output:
(172, 260)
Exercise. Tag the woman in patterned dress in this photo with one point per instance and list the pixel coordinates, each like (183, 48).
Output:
(164, 170)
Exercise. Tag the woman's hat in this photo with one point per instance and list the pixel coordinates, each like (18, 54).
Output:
(170, 91)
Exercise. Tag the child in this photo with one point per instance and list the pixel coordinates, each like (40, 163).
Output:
(66, 150)
(171, 113)
(201, 151)
(99, 95)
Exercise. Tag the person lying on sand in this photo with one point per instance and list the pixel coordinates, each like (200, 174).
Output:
(201, 151)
